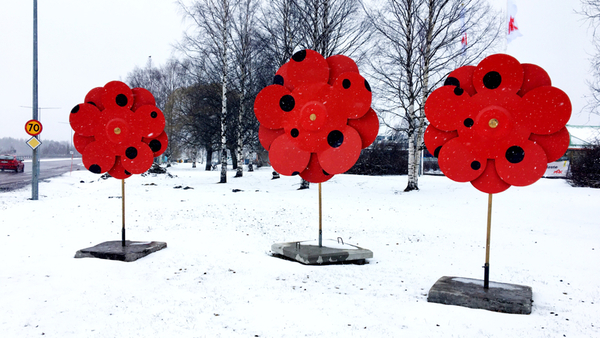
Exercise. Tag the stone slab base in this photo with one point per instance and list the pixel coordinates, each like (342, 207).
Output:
(114, 250)
(331, 252)
(467, 292)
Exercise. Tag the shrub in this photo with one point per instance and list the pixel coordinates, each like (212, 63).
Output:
(585, 167)
(382, 158)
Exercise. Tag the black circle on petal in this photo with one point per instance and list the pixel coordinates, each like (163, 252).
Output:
(475, 165)
(469, 122)
(294, 133)
(127, 172)
(452, 81)
(436, 152)
(367, 85)
(346, 83)
(131, 153)
(492, 80)
(295, 173)
(155, 145)
(458, 91)
(515, 154)
(75, 109)
(121, 100)
(153, 114)
(95, 169)
(287, 103)
(299, 56)
(335, 138)
(278, 80)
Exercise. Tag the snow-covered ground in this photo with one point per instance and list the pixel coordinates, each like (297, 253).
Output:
(217, 277)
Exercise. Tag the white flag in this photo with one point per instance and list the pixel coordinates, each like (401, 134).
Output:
(512, 26)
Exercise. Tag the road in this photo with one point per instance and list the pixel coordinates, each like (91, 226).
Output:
(10, 180)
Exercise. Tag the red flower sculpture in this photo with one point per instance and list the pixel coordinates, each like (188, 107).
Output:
(497, 124)
(316, 116)
(118, 130)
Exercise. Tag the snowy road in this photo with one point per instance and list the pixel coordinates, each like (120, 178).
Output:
(10, 180)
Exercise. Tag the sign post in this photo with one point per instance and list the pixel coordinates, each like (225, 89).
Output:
(35, 168)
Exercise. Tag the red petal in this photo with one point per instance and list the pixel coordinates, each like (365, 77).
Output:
(148, 121)
(117, 95)
(339, 64)
(546, 110)
(435, 139)
(526, 171)
(286, 158)
(85, 119)
(305, 67)
(80, 142)
(352, 95)
(460, 162)
(445, 108)
(136, 157)
(98, 157)
(489, 181)
(367, 126)
(534, 76)
(118, 171)
(314, 173)
(142, 97)
(463, 76)
(158, 145)
(554, 145)
(269, 105)
(94, 97)
(266, 136)
(343, 152)
(510, 70)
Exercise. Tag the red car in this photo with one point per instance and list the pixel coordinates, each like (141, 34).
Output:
(11, 162)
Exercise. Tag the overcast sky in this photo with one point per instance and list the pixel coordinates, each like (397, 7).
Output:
(85, 44)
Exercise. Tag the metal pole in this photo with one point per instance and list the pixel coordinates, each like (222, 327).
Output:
(320, 218)
(123, 201)
(35, 168)
(486, 267)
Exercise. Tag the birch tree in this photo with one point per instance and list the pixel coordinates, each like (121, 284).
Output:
(211, 41)
(419, 43)
(244, 28)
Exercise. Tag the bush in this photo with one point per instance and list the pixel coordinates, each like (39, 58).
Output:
(585, 167)
(383, 158)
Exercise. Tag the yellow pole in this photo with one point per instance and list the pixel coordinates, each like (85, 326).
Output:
(486, 277)
(320, 218)
(123, 202)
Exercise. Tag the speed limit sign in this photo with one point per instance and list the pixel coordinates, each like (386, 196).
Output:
(33, 127)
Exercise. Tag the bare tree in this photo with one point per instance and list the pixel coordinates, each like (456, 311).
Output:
(211, 41)
(419, 43)
(334, 27)
(162, 81)
(244, 27)
(591, 9)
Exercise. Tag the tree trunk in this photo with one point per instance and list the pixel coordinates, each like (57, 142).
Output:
(224, 35)
(209, 153)
(234, 160)
(413, 180)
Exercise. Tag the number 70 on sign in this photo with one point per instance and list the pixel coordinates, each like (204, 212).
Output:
(33, 127)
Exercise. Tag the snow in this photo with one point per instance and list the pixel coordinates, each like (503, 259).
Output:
(217, 278)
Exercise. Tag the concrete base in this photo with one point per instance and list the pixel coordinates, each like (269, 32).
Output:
(331, 252)
(499, 297)
(114, 250)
